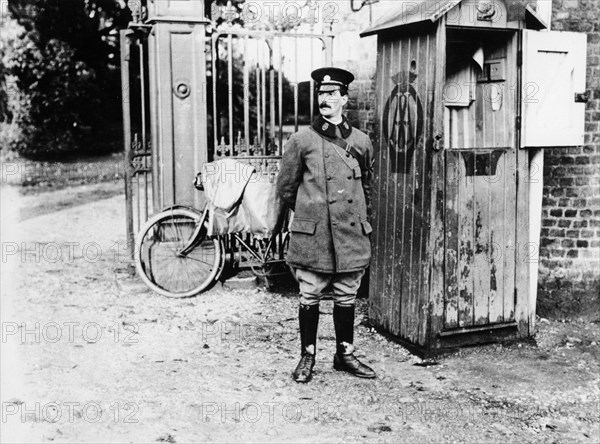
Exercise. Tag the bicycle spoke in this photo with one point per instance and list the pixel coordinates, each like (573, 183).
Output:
(186, 268)
(173, 266)
(165, 230)
(160, 263)
(200, 260)
(180, 271)
(179, 236)
(162, 271)
(184, 278)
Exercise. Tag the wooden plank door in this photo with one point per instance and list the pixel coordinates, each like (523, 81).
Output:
(480, 237)
(481, 189)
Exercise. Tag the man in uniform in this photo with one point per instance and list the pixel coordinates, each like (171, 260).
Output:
(325, 178)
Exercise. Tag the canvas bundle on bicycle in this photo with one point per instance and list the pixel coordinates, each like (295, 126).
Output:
(241, 199)
(181, 251)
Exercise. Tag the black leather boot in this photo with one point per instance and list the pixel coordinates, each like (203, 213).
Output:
(308, 316)
(344, 359)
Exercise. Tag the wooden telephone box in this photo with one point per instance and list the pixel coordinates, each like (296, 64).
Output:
(468, 92)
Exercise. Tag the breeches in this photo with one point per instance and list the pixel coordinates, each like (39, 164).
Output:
(312, 284)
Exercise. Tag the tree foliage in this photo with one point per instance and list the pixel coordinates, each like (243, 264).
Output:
(55, 98)
(60, 81)
(61, 74)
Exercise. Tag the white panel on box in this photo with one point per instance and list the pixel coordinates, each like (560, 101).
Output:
(554, 70)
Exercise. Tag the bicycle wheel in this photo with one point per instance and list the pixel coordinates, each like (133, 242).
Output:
(159, 260)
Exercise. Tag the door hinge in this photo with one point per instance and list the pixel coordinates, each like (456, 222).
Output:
(518, 123)
(520, 58)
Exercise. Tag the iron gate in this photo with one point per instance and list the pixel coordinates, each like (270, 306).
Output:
(255, 97)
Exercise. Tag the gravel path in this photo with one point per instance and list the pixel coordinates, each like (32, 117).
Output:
(90, 355)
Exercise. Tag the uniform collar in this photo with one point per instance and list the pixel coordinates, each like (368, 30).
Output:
(327, 129)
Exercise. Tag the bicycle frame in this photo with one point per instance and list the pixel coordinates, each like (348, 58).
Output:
(259, 253)
(176, 237)
(196, 239)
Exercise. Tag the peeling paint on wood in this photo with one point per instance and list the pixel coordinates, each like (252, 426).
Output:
(447, 219)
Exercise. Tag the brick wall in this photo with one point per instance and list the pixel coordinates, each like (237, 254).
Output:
(569, 281)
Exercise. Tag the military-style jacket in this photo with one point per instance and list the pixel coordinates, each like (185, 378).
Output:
(330, 196)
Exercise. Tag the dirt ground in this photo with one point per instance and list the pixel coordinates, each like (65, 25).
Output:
(89, 355)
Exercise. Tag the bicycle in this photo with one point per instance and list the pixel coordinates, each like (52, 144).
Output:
(177, 256)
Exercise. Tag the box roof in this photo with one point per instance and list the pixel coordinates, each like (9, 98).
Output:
(408, 13)
(419, 11)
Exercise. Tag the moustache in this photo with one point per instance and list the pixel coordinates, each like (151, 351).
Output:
(324, 105)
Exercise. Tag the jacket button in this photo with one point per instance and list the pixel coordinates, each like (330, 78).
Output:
(326, 155)
(350, 201)
(347, 155)
(328, 177)
(349, 177)
(352, 224)
(331, 201)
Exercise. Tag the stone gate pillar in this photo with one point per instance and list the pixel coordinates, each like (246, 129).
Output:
(178, 114)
